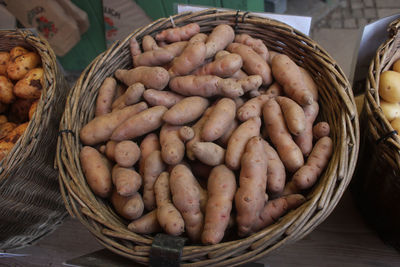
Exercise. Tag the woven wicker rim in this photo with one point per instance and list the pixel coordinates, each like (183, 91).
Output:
(378, 125)
(337, 108)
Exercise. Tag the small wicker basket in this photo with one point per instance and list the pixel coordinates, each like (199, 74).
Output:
(30, 203)
(376, 185)
(337, 108)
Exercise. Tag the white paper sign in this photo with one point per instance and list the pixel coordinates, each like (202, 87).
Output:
(300, 23)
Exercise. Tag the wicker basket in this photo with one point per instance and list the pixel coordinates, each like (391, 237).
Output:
(337, 107)
(30, 203)
(377, 179)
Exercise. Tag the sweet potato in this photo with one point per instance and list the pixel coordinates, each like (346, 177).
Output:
(219, 120)
(220, 37)
(148, 43)
(172, 147)
(176, 48)
(101, 128)
(6, 128)
(288, 74)
(110, 150)
(310, 84)
(150, 77)
(106, 96)
(6, 90)
(130, 207)
(17, 51)
(131, 96)
(199, 37)
(294, 115)
(191, 58)
(97, 171)
(126, 153)
(161, 98)
(276, 128)
(147, 224)
(223, 67)
(221, 190)
(304, 140)
(276, 172)
(153, 58)
(275, 209)
(209, 153)
(239, 74)
(186, 198)
(186, 110)
(17, 68)
(320, 130)
(149, 144)
(178, 33)
(186, 133)
(139, 124)
(126, 180)
(252, 108)
(250, 196)
(134, 47)
(168, 216)
(256, 44)
(206, 86)
(253, 64)
(31, 85)
(238, 140)
(197, 127)
(223, 140)
(4, 59)
(153, 166)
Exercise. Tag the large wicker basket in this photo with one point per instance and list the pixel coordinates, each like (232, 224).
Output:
(337, 107)
(377, 180)
(30, 203)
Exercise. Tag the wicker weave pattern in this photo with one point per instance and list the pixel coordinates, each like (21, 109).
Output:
(337, 107)
(30, 202)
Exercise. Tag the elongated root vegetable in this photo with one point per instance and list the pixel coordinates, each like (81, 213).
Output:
(239, 74)
(147, 224)
(177, 48)
(250, 196)
(191, 58)
(304, 140)
(179, 33)
(221, 117)
(130, 207)
(150, 77)
(252, 108)
(131, 96)
(134, 47)
(139, 124)
(172, 147)
(148, 43)
(101, 128)
(153, 166)
(307, 175)
(105, 97)
(320, 130)
(126, 180)
(153, 58)
(288, 74)
(223, 67)
(186, 198)
(238, 140)
(252, 62)
(293, 114)
(161, 98)
(221, 190)
(126, 153)
(168, 216)
(110, 150)
(275, 125)
(223, 140)
(186, 133)
(256, 44)
(276, 171)
(220, 37)
(97, 171)
(149, 144)
(309, 82)
(209, 153)
(197, 127)
(276, 208)
(186, 110)
(206, 86)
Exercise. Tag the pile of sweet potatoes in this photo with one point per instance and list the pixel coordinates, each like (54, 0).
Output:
(205, 134)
